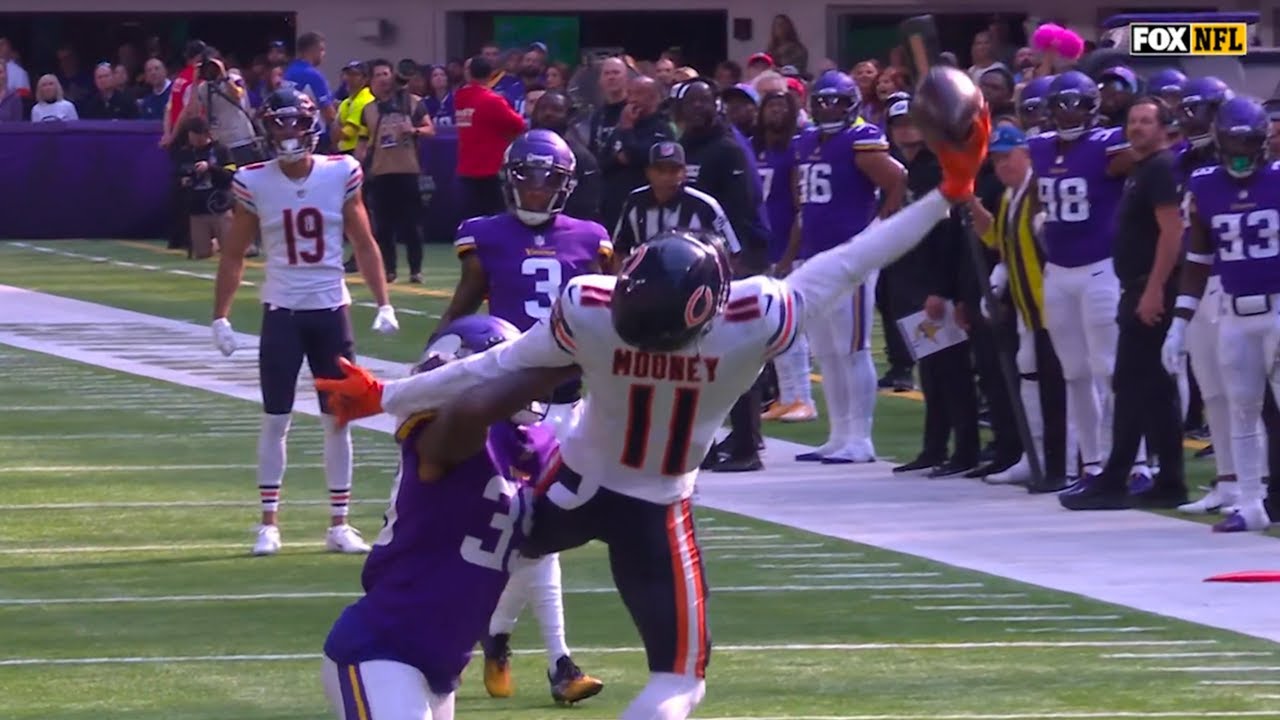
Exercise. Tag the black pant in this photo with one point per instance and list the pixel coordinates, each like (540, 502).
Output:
(983, 336)
(1053, 405)
(481, 196)
(744, 416)
(890, 296)
(950, 405)
(288, 337)
(1271, 421)
(397, 205)
(1146, 396)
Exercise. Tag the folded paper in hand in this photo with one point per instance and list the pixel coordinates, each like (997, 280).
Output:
(925, 336)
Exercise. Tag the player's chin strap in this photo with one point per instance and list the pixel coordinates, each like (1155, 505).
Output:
(825, 278)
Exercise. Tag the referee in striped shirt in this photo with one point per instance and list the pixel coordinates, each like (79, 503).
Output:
(666, 203)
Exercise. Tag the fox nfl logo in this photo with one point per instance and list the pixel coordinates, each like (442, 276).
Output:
(1172, 39)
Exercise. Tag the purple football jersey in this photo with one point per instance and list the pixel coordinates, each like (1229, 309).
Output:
(527, 267)
(442, 559)
(1078, 197)
(1187, 159)
(774, 165)
(1243, 218)
(836, 200)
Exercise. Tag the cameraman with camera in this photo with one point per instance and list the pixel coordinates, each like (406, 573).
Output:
(224, 103)
(396, 119)
(204, 170)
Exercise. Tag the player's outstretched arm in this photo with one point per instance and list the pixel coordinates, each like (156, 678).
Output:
(468, 296)
(460, 428)
(355, 222)
(828, 276)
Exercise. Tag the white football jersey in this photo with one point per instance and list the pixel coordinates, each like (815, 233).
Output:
(302, 229)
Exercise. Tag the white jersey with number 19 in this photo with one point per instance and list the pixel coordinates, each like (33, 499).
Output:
(302, 229)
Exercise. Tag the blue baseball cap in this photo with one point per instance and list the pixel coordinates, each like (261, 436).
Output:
(1005, 138)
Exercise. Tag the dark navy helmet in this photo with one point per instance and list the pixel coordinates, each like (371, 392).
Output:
(1201, 98)
(1240, 131)
(292, 123)
(834, 101)
(670, 289)
(1168, 84)
(538, 176)
(1033, 103)
(1074, 102)
(469, 335)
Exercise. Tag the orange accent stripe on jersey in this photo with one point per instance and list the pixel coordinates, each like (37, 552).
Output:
(787, 332)
(549, 475)
(687, 580)
(700, 588)
(561, 333)
(464, 249)
(675, 527)
(357, 692)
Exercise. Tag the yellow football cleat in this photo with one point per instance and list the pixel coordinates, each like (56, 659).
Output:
(497, 666)
(570, 685)
(777, 410)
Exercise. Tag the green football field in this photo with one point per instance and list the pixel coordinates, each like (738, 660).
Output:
(126, 589)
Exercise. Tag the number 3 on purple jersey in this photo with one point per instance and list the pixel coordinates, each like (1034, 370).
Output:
(547, 280)
(505, 522)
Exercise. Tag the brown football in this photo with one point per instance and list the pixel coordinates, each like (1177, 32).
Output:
(945, 104)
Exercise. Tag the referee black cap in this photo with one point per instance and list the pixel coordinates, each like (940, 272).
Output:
(666, 152)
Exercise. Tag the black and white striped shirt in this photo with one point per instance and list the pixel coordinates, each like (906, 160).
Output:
(691, 209)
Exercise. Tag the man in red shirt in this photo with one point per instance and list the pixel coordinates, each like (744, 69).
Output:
(182, 82)
(486, 126)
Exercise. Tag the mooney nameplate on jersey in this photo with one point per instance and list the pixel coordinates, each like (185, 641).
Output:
(664, 366)
(1170, 39)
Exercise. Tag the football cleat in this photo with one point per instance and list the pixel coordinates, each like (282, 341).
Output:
(800, 412)
(497, 666)
(777, 410)
(1248, 517)
(268, 542)
(569, 684)
(855, 451)
(1222, 495)
(345, 539)
(1017, 474)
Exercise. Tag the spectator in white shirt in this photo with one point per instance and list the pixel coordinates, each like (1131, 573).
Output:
(18, 78)
(51, 105)
(983, 56)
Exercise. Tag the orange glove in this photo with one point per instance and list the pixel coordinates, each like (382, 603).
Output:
(960, 165)
(358, 394)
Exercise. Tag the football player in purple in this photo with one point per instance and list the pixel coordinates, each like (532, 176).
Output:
(1235, 226)
(1033, 106)
(461, 504)
(520, 260)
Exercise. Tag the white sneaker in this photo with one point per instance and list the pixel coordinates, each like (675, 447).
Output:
(268, 542)
(1251, 516)
(1017, 474)
(345, 539)
(855, 451)
(1220, 497)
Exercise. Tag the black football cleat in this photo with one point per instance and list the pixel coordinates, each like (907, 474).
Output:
(570, 685)
(920, 463)
(746, 463)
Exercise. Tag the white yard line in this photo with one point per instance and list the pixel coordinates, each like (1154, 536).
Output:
(940, 608)
(949, 596)
(1177, 655)
(1129, 629)
(126, 505)
(786, 556)
(1218, 669)
(709, 547)
(842, 576)
(35, 469)
(1035, 618)
(56, 437)
(1240, 682)
(831, 566)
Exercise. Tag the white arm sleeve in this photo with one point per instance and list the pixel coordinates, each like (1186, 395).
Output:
(538, 347)
(827, 276)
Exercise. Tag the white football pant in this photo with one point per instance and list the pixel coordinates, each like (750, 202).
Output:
(1080, 315)
(793, 368)
(382, 690)
(1030, 389)
(1247, 355)
(535, 581)
(841, 342)
(1202, 351)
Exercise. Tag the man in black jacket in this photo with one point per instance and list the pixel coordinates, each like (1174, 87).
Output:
(551, 112)
(623, 156)
(717, 165)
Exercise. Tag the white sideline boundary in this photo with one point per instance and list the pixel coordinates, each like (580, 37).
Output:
(1144, 561)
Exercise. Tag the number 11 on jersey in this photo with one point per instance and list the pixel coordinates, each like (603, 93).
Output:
(635, 447)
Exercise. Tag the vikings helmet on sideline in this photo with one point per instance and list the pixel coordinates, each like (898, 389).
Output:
(1033, 103)
(1201, 98)
(469, 335)
(538, 176)
(292, 124)
(1074, 102)
(834, 101)
(669, 290)
(1240, 130)
(1168, 84)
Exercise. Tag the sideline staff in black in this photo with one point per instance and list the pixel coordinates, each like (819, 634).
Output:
(1148, 246)
(666, 203)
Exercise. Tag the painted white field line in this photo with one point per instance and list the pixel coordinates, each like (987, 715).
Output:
(1035, 618)
(786, 647)
(33, 469)
(1240, 682)
(842, 576)
(173, 547)
(709, 547)
(1129, 629)
(793, 566)
(726, 528)
(787, 556)
(54, 436)
(1023, 716)
(1177, 655)
(1218, 669)
(949, 596)
(990, 607)
(98, 259)
(730, 538)
(252, 502)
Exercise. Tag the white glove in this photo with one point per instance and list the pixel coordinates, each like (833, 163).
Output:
(1175, 346)
(999, 282)
(386, 322)
(1037, 222)
(224, 338)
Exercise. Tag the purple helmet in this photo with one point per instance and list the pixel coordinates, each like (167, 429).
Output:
(1168, 84)
(1033, 107)
(834, 101)
(1201, 98)
(469, 335)
(538, 176)
(1073, 103)
(1240, 130)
